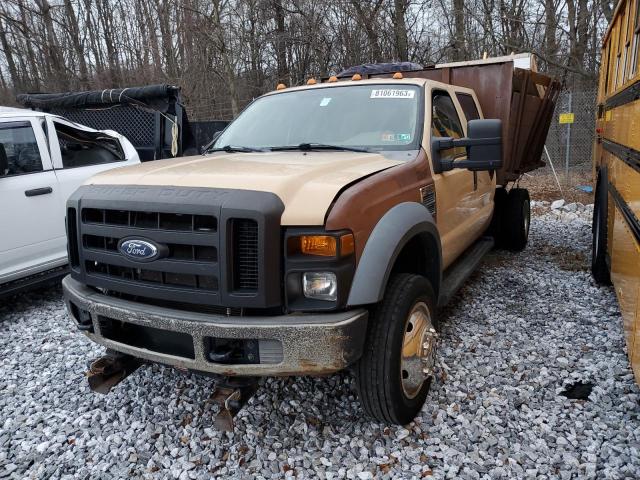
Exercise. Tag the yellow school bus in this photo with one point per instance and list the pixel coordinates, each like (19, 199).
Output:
(616, 161)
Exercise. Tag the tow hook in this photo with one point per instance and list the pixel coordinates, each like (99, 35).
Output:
(108, 371)
(429, 345)
(231, 394)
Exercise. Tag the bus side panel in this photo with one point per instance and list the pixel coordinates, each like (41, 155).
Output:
(625, 273)
(623, 125)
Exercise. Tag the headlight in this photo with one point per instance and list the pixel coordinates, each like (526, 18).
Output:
(320, 285)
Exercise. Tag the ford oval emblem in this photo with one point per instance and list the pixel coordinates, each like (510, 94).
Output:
(138, 249)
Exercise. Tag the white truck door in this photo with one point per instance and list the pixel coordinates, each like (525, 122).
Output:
(76, 158)
(31, 211)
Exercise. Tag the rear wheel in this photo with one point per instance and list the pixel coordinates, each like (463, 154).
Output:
(499, 201)
(599, 266)
(396, 369)
(515, 220)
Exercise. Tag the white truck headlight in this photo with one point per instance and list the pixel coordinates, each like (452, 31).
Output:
(320, 285)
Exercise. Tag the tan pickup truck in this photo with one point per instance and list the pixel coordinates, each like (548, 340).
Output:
(320, 231)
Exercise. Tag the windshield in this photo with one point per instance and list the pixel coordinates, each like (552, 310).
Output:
(372, 117)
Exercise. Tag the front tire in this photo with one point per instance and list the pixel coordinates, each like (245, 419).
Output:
(600, 226)
(399, 349)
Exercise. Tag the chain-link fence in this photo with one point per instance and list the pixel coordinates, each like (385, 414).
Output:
(570, 145)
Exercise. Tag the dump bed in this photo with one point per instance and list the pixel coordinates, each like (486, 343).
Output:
(510, 89)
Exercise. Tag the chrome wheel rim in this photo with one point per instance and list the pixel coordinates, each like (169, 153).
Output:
(418, 350)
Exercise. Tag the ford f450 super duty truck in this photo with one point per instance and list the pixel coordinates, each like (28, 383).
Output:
(321, 231)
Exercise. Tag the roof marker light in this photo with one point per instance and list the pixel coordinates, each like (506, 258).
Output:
(398, 76)
(311, 81)
(332, 79)
(356, 76)
(281, 86)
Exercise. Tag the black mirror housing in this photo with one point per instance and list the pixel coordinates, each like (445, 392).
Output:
(483, 144)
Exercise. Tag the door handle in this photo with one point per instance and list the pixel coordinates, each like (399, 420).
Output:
(38, 191)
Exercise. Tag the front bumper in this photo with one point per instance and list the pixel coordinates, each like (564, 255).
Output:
(296, 344)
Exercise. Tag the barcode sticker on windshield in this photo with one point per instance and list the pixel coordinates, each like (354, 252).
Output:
(392, 93)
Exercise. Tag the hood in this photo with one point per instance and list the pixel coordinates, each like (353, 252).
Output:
(306, 182)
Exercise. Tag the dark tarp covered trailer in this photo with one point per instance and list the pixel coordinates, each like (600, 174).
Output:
(152, 117)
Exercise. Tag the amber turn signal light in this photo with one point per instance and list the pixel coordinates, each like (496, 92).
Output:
(321, 245)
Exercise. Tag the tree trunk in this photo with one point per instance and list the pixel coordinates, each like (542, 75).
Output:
(459, 52)
(400, 29)
(11, 64)
(551, 45)
(74, 33)
(282, 66)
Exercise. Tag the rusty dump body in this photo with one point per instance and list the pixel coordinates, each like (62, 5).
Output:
(522, 98)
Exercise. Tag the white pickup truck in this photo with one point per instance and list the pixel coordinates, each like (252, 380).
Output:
(43, 160)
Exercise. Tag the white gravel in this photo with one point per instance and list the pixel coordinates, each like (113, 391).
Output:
(525, 326)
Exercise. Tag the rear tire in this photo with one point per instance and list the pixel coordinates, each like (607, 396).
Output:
(600, 227)
(499, 201)
(389, 376)
(515, 221)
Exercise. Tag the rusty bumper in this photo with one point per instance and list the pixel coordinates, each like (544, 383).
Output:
(295, 344)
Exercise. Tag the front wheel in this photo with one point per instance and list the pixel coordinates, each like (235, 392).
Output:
(395, 372)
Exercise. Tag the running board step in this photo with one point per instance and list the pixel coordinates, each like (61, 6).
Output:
(457, 274)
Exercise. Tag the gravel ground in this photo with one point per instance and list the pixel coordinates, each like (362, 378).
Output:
(523, 328)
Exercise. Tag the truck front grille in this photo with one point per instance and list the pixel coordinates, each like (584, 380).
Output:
(190, 264)
(206, 255)
(163, 221)
(205, 282)
(245, 252)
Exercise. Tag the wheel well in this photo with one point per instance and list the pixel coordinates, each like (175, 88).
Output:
(420, 255)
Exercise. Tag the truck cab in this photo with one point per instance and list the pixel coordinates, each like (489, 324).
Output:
(321, 231)
(43, 160)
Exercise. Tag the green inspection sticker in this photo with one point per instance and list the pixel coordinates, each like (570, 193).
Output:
(396, 137)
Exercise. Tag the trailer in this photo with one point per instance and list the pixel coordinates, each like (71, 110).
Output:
(152, 117)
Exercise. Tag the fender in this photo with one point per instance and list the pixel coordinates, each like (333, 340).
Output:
(392, 232)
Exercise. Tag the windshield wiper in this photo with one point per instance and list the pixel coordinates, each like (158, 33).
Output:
(233, 149)
(305, 147)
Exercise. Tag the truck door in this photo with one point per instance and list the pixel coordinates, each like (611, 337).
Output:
(31, 213)
(455, 189)
(484, 182)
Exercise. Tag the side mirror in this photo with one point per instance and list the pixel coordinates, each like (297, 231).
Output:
(483, 144)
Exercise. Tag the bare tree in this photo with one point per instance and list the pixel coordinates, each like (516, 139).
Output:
(223, 53)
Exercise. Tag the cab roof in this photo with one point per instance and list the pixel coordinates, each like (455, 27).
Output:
(8, 112)
(420, 82)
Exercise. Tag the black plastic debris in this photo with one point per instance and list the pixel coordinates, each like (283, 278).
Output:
(578, 391)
